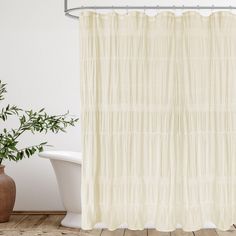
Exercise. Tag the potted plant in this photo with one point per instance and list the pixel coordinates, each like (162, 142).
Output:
(29, 121)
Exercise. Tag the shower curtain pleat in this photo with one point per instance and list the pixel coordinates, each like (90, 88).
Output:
(158, 120)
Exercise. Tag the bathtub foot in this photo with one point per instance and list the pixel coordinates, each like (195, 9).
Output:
(72, 220)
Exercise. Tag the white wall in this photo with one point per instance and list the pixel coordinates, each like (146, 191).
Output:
(39, 62)
(39, 59)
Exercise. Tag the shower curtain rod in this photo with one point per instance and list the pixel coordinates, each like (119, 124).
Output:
(69, 11)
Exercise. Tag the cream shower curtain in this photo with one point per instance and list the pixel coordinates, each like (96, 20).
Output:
(158, 119)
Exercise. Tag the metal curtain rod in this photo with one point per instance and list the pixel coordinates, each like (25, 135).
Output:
(69, 11)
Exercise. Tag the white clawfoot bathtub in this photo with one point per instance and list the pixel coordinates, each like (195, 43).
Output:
(67, 167)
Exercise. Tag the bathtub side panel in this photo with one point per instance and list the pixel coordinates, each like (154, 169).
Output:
(68, 176)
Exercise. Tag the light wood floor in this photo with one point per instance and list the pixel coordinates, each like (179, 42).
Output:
(43, 225)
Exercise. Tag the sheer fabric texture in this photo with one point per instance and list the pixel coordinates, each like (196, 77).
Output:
(158, 119)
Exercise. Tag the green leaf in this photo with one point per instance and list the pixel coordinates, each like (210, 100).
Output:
(29, 121)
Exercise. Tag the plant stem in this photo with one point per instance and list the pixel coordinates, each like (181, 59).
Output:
(1, 159)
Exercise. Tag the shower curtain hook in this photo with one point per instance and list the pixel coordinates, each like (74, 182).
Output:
(127, 10)
(157, 9)
(182, 10)
(212, 6)
(95, 9)
(144, 9)
(174, 8)
(230, 7)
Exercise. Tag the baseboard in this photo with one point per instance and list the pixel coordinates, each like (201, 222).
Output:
(38, 212)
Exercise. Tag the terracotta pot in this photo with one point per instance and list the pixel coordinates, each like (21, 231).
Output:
(7, 195)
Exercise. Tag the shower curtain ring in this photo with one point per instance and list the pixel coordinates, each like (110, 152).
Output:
(144, 9)
(127, 10)
(173, 7)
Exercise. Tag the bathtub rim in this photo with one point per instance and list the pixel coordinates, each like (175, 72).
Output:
(62, 155)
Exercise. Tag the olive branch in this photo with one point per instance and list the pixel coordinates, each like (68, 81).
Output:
(29, 121)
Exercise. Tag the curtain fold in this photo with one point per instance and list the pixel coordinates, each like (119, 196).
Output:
(158, 120)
